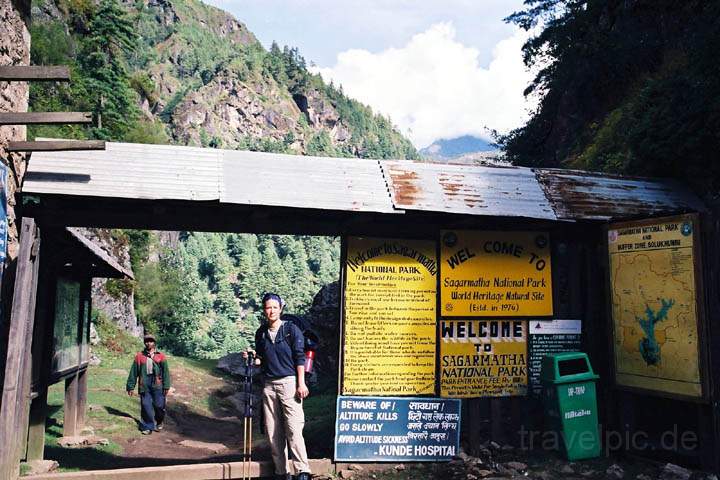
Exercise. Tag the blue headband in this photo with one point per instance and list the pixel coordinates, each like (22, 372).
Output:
(272, 296)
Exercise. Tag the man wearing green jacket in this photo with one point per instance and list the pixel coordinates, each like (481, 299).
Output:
(151, 374)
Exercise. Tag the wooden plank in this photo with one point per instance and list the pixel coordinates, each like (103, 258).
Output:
(22, 73)
(56, 145)
(16, 387)
(35, 118)
(201, 471)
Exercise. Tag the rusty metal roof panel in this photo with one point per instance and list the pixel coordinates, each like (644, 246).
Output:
(466, 189)
(127, 170)
(345, 184)
(578, 195)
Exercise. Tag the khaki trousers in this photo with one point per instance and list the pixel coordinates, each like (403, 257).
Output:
(284, 422)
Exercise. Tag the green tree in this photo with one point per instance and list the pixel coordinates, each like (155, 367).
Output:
(103, 59)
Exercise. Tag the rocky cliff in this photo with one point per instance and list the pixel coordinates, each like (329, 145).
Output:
(114, 298)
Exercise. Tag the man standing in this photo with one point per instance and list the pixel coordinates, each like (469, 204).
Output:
(280, 349)
(151, 373)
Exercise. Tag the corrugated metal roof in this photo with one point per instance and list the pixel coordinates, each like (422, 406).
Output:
(159, 172)
(579, 195)
(127, 170)
(347, 184)
(465, 189)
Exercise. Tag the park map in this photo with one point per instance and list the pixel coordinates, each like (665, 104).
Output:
(654, 305)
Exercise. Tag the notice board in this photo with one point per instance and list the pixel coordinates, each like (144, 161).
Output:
(550, 336)
(396, 429)
(66, 327)
(654, 304)
(495, 274)
(483, 358)
(389, 317)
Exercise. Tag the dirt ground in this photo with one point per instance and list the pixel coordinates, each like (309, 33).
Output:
(209, 430)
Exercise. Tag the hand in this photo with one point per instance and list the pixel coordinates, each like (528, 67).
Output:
(302, 391)
(248, 351)
(131, 393)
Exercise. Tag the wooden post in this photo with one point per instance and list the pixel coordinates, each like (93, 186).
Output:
(70, 407)
(16, 386)
(36, 430)
(81, 400)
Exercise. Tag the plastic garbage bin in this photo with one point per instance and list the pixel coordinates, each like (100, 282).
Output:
(570, 403)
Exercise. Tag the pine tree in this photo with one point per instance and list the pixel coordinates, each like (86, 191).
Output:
(104, 63)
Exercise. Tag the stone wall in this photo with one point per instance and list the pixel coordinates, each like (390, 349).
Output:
(14, 50)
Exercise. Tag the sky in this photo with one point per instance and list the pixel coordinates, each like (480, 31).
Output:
(438, 69)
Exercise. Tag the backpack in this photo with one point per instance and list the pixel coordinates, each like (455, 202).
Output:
(311, 338)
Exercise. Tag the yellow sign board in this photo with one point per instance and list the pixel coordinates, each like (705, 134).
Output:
(495, 274)
(390, 317)
(652, 281)
(483, 358)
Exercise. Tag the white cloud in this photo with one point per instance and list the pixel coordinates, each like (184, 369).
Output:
(435, 87)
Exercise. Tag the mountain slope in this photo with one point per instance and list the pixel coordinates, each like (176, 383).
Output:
(196, 76)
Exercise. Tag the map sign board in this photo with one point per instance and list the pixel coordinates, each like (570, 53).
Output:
(550, 336)
(654, 305)
(390, 317)
(495, 274)
(380, 429)
(483, 358)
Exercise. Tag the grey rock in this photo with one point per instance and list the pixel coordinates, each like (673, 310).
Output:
(517, 466)
(615, 472)
(674, 472)
(94, 360)
(212, 447)
(82, 441)
(39, 467)
(94, 336)
(567, 470)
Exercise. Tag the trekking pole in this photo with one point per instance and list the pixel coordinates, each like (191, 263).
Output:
(248, 417)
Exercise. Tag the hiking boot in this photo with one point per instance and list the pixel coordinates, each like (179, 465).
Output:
(145, 432)
(159, 427)
(303, 476)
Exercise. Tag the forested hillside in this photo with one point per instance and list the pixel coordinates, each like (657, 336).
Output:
(625, 86)
(201, 291)
(182, 72)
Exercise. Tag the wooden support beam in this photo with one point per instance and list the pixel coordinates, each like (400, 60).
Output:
(81, 401)
(34, 118)
(70, 407)
(36, 430)
(23, 73)
(56, 145)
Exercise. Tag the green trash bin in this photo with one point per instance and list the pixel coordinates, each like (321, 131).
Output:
(570, 403)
